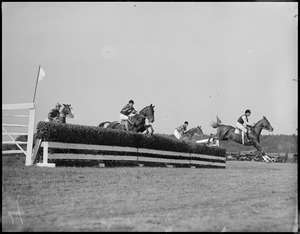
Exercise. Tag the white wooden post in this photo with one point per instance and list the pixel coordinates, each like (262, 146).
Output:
(45, 156)
(29, 161)
(45, 153)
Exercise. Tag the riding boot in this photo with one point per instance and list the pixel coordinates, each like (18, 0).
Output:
(243, 137)
(126, 125)
(248, 138)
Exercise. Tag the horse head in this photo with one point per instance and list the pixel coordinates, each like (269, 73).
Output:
(199, 131)
(67, 111)
(148, 112)
(264, 124)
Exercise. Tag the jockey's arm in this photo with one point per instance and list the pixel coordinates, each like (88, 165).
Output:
(180, 129)
(246, 123)
(50, 115)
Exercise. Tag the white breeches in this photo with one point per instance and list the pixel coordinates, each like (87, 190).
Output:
(123, 117)
(177, 134)
(241, 127)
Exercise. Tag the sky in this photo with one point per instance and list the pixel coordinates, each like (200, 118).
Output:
(192, 60)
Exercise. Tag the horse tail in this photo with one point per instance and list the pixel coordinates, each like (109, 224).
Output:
(217, 123)
(103, 123)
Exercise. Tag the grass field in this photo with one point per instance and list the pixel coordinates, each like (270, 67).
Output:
(246, 196)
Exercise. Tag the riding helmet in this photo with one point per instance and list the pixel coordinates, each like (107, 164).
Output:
(248, 111)
(131, 101)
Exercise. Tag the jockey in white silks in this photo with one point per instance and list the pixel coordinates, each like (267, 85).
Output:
(243, 125)
(178, 132)
(127, 110)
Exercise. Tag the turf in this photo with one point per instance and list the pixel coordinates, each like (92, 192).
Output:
(246, 196)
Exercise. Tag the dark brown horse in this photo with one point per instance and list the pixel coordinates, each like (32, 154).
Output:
(137, 122)
(66, 111)
(193, 131)
(225, 132)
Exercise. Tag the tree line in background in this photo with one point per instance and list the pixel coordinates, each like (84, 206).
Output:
(270, 143)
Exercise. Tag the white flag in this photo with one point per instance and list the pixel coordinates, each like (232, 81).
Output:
(41, 74)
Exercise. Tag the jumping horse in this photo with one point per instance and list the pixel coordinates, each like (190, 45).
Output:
(66, 111)
(225, 132)
(137, 123)
(191, 132)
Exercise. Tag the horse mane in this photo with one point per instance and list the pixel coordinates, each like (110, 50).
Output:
(188, 131)
(264, 118)
(143, 109)
(191, 129)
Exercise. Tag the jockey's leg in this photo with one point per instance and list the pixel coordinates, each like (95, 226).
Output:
(248, 138)
(177, 134)
(126, 125)
(243, 137)
(129, 121)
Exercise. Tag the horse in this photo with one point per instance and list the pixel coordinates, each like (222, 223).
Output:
(225, 132)
(137, 122)
(193, 131)
(66, 111)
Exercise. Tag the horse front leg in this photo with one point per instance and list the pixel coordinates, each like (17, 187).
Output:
(151, 128)
(263, 154)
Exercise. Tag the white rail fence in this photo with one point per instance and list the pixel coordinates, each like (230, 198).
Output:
(211, 143)
(139, 155)
(9, 128)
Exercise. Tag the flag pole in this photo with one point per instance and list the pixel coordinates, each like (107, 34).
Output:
(36, 83)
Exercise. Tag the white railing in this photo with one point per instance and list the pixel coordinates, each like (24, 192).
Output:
(139, 155)
(211, 143)
(6, 114)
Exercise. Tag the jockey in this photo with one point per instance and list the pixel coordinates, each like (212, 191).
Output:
(54, 113)
(181, 130)
(127, 110)
(243, 125)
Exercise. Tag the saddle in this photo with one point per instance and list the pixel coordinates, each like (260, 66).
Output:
(129, 120)
(239, 132)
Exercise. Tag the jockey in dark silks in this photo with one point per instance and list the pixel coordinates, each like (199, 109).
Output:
(54, 113)
(127, 110)
(243, 125)
(181, 130)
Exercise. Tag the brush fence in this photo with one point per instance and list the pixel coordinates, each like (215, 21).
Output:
(130, 154)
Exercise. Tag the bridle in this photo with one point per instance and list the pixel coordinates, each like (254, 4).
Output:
(69, 115)
(144, 116)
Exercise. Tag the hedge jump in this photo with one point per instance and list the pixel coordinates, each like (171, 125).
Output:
(120, 153)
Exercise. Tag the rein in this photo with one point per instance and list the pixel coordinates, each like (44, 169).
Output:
(143, 115)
